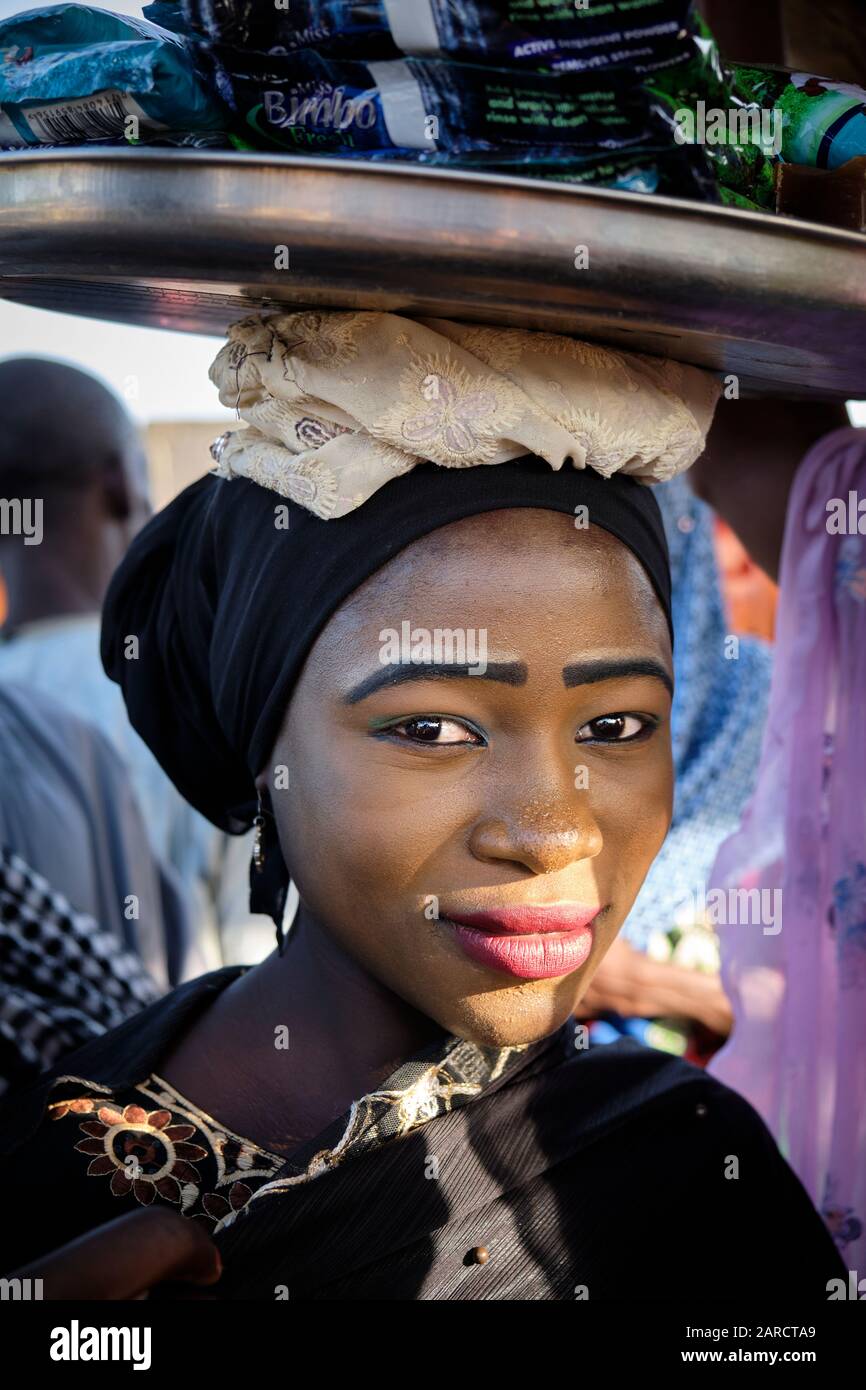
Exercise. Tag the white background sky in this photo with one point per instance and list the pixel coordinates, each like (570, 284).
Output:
(161, 376)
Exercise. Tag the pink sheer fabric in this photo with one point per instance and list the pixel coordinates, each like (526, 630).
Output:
(798, 986)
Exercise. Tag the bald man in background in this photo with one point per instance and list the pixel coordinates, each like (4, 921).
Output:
(69, 442)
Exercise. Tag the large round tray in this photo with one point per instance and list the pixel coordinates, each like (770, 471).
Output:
(192, 240)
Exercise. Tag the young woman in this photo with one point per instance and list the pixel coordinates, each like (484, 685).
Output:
(445, 694)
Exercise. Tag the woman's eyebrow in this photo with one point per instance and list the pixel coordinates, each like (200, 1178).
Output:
(590, 672)
(509, 672)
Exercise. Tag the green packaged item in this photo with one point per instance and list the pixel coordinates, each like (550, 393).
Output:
(822, 122)
(706, 113)
(75, 73)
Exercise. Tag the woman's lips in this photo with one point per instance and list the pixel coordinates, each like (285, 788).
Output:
(530, 943)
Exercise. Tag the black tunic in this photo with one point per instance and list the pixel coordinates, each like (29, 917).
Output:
(607, 1172)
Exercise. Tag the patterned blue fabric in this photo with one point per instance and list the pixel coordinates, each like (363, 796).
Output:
(718, 717)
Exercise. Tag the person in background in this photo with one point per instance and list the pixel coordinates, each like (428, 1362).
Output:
(751, 596)
(67, 808)
(69, 442)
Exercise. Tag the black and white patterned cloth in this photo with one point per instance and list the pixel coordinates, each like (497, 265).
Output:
(63, 979)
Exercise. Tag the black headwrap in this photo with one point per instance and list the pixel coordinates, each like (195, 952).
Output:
(213, 611)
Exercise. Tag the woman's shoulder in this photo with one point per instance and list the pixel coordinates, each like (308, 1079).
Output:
(625, 1076)
(117, 1058)
(100, 1152)
(626, 1083)
(103, 1133)
(681, 1162)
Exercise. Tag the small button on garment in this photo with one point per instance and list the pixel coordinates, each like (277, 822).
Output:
(700, 1111)
(480, 1255)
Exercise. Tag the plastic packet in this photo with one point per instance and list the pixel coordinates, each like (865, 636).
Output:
(434, 111)
(821, 123)
(541, 35)
(668, 172)
(74, 73)
(706, 113)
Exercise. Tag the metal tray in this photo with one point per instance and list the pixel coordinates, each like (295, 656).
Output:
(190, 240)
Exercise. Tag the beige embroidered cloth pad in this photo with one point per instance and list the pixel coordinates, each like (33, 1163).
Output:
(337, 403)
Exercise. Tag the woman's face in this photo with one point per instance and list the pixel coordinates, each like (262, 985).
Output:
(475, 841)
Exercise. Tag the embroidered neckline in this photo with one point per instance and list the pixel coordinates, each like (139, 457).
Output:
(418, 1091)
(433, 1083)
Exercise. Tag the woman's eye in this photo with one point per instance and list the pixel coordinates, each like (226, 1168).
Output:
(431, 729)
(614, 728)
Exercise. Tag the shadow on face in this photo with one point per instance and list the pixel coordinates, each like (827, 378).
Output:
(482, 730)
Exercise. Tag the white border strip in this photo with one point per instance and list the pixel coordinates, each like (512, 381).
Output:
(413, 25)
(402, 105)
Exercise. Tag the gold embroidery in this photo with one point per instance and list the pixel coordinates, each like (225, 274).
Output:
(149, 1155)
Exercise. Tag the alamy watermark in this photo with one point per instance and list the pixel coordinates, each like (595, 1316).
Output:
(22, 516)
(736, 125)
(731, 907)
(77, 1343)
(438, 646)
(846, 517)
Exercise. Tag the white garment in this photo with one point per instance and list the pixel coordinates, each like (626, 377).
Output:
(60, 656)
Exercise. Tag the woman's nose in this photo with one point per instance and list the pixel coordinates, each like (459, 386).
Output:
(539, 837)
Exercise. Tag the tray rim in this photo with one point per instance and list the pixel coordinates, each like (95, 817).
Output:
(776, 225)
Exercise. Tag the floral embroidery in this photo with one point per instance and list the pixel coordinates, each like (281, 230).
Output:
(418, 1093)
(312, 433)
(330, 338)
(606, 449)
(76, 1107)
(305, 479)
(396, 460)
(458, 395)
(251, 337)
(179, 1154)
(455, 416)
(448, 415)
(502, 348)
(162, 1153)
(143, 1151)
(217, 1207)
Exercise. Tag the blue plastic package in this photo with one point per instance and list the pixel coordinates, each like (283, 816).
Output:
(435, 111)
(74, 73)
(533, 35)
